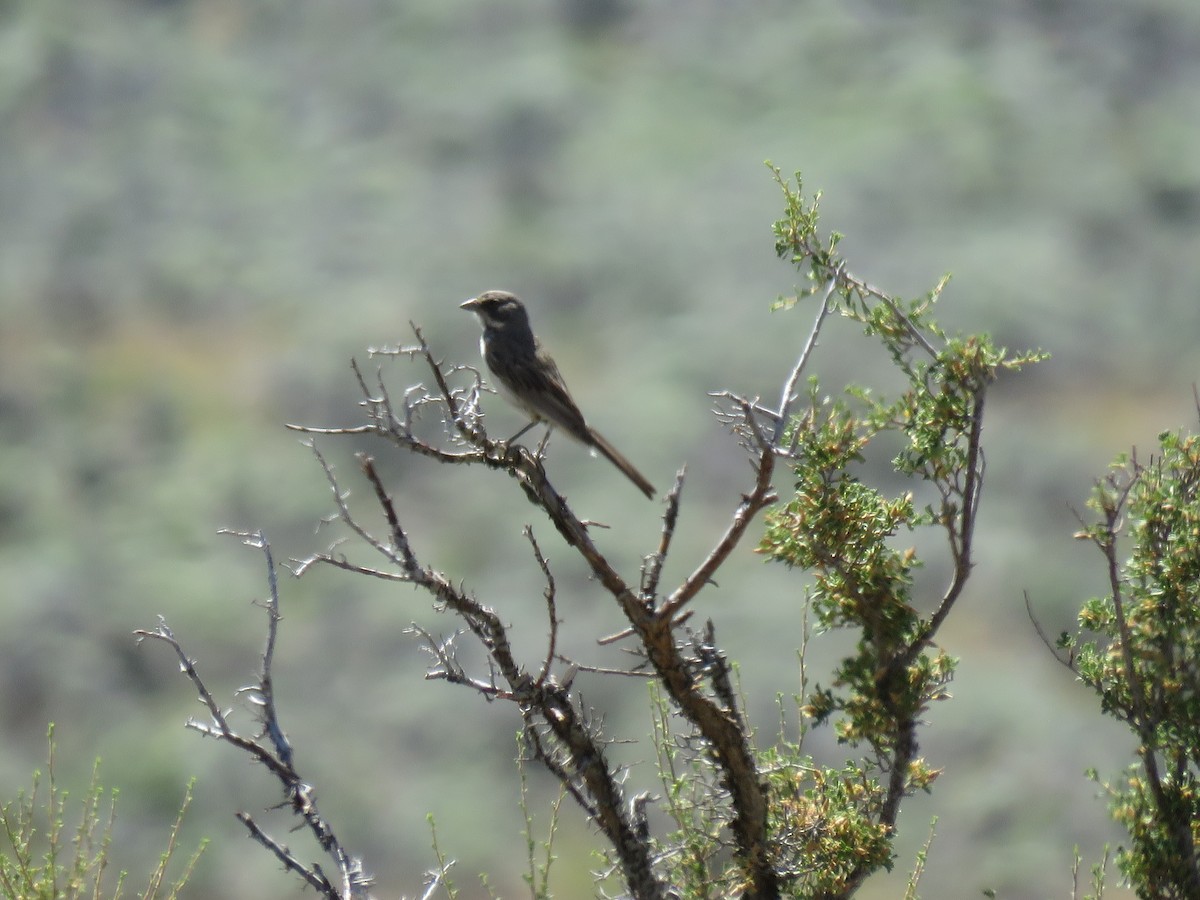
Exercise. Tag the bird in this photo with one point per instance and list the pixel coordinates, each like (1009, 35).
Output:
(528, 378)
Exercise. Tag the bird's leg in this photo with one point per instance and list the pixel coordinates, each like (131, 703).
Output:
(541, 448)
(521, 432)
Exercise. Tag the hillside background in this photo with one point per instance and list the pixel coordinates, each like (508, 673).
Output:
(207, 207)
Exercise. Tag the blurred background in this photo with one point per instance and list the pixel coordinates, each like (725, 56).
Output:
(207, 207)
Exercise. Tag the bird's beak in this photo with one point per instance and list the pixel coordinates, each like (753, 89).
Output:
(471, 305)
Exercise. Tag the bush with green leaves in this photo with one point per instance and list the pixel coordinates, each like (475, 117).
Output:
(870, 469)
(746, 818)
(833, 827)
(1138, 648)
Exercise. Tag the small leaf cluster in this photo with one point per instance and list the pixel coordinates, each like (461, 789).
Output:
(825, 823)
(838, 528)
(1139, 650)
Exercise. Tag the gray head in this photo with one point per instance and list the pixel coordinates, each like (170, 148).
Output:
(498, 310)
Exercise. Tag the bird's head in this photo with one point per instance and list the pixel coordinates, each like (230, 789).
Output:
(498, 309)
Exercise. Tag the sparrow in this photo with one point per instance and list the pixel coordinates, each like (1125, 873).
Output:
(527, 377)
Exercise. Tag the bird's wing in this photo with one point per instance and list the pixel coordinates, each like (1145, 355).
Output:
(537, 386)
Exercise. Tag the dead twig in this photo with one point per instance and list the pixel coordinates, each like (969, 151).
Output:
(276, 755)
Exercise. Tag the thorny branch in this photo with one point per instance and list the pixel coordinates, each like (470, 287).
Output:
(652, 569)
(557, 725)
(558, 728)
(551, 608)
(275, 754)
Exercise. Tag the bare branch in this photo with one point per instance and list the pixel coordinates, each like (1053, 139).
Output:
(758, 499)
(552, 612)
(652, 569)
(458, 405)
(399, 538)
(465, 427)
(713, 663)
(277, 758)
(313, 876)
(393, 555)
(791, 390)
(556, 725)
(1069, 662)
(605, 670)
(569, 782)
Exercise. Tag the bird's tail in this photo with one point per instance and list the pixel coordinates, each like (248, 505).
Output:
(614, 457)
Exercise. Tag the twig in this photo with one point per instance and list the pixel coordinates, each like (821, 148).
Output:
(1050, 645)
(276, 758)
(315, 880)
(604, 670)
(436, 877)
(628, 632)
(652, 570)
(399, 538)
(790, 392)
(552, 612)
(759, 498)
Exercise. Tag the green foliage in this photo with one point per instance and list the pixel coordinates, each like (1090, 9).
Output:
(540, 854)
(910, 889)
(234, 163)
(849, 535)
(1097, 883)
(696, 862)
(1141, 655)
(826, 823)
(823, 822)
(440, 875)
(35, 864)
(841, 528)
